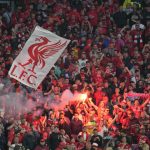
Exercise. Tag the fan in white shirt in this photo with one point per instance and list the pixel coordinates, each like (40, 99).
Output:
(82, 61)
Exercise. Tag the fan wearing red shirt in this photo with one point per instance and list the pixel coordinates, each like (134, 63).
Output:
(42, 145)
(137, 108)
(49, 24)
(11, 135)
(121, 114)
(93, 16)
(24, 124)
(58, 8)
(130, 122)
(125, 75)
(80, 145)
(42, 123)
(116, 96)
(129, 43)
(102, 28)
(106, 59)
(124, 145)
(76, 15)
(88, 49)
(97, 77)
(29, 117)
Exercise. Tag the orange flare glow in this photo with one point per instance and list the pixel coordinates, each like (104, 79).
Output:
(83, 97)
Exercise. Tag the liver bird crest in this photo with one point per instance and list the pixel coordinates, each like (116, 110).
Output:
(41, 50)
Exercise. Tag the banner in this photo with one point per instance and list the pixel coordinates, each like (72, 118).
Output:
(138, 95)
(37, 57)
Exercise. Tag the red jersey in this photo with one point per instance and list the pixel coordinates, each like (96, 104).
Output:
(11, 135)
(93, 15)
(98, 95)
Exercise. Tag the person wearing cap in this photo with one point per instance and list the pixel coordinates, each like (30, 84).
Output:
(41, 146)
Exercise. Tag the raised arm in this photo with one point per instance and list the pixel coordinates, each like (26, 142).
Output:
(113, 121)
(92, 104)
(147, 100)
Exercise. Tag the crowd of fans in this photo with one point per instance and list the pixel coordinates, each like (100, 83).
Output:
(108, 58)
